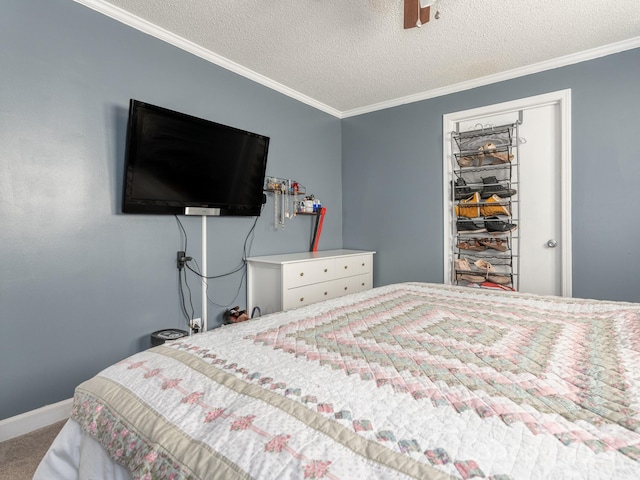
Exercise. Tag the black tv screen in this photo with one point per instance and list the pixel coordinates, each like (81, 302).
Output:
(179, 164)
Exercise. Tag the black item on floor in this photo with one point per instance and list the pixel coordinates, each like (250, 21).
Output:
(161, 336)
(234, 315)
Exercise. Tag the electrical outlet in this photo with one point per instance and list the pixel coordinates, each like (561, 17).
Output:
(196, 324)
(181, 260)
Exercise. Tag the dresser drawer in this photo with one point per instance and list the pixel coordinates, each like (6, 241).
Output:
(347, 285)
(353, 265)
(360, 283)
(307, 273)
(300, 296)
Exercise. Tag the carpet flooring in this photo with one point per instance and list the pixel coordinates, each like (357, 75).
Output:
(20, 456)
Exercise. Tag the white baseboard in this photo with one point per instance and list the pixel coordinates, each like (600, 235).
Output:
(35, 419)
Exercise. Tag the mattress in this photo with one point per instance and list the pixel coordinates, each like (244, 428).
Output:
(410, 380)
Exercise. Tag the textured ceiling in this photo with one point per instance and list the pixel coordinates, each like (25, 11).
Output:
(352, 55)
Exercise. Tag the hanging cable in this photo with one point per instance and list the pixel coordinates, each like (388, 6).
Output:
(181, 280)
(241, 267)
(184, 232)
(183, 305)
(231, 302)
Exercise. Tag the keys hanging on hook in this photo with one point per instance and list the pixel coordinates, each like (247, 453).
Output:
(276, 219)
(283, 195)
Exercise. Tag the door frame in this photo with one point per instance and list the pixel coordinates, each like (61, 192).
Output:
(562, 99)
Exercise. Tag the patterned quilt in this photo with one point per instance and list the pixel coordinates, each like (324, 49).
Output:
(403, 381)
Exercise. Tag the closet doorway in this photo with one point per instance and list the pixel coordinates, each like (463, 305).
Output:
(544, 186)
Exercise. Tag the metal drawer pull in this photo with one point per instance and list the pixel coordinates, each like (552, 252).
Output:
(325, 270)
(363, 264)
(325, 293)
(345, 288)
(346, 266)
(302, 274)
(302, 299)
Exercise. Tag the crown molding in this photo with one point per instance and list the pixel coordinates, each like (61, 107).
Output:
(149, 28)
(144, 26)
(564, 61)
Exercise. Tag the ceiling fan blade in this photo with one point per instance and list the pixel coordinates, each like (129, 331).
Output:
(425, 14)
(411, 9)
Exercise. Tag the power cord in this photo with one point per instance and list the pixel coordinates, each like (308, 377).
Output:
(185, 262)
(183, 305)
(227, 304)
(184, 232)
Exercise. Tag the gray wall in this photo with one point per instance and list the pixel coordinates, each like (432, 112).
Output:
(392, 176)
(82, 285)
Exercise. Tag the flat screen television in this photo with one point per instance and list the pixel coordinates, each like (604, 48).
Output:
(183, 165)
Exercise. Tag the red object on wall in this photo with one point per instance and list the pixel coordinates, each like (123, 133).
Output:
(316, 235)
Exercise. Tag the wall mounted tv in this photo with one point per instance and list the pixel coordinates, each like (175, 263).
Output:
(183, 165)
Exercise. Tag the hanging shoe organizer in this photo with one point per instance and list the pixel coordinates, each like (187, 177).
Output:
(486, 213)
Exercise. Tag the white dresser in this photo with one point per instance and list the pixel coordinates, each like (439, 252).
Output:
(281, 282)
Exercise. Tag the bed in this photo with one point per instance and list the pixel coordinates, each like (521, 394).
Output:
(411, 380)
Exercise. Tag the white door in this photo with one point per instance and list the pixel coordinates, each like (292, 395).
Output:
(542, 183)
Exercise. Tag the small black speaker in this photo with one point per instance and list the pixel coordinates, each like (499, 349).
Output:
(161, 336)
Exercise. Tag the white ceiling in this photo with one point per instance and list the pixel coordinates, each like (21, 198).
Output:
(351, 56)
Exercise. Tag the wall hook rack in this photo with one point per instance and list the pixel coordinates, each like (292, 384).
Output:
(290, 200)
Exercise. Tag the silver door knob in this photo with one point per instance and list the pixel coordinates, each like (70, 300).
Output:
(552, 243)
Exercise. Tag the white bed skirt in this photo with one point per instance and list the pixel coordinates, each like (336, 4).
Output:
(74, 455)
